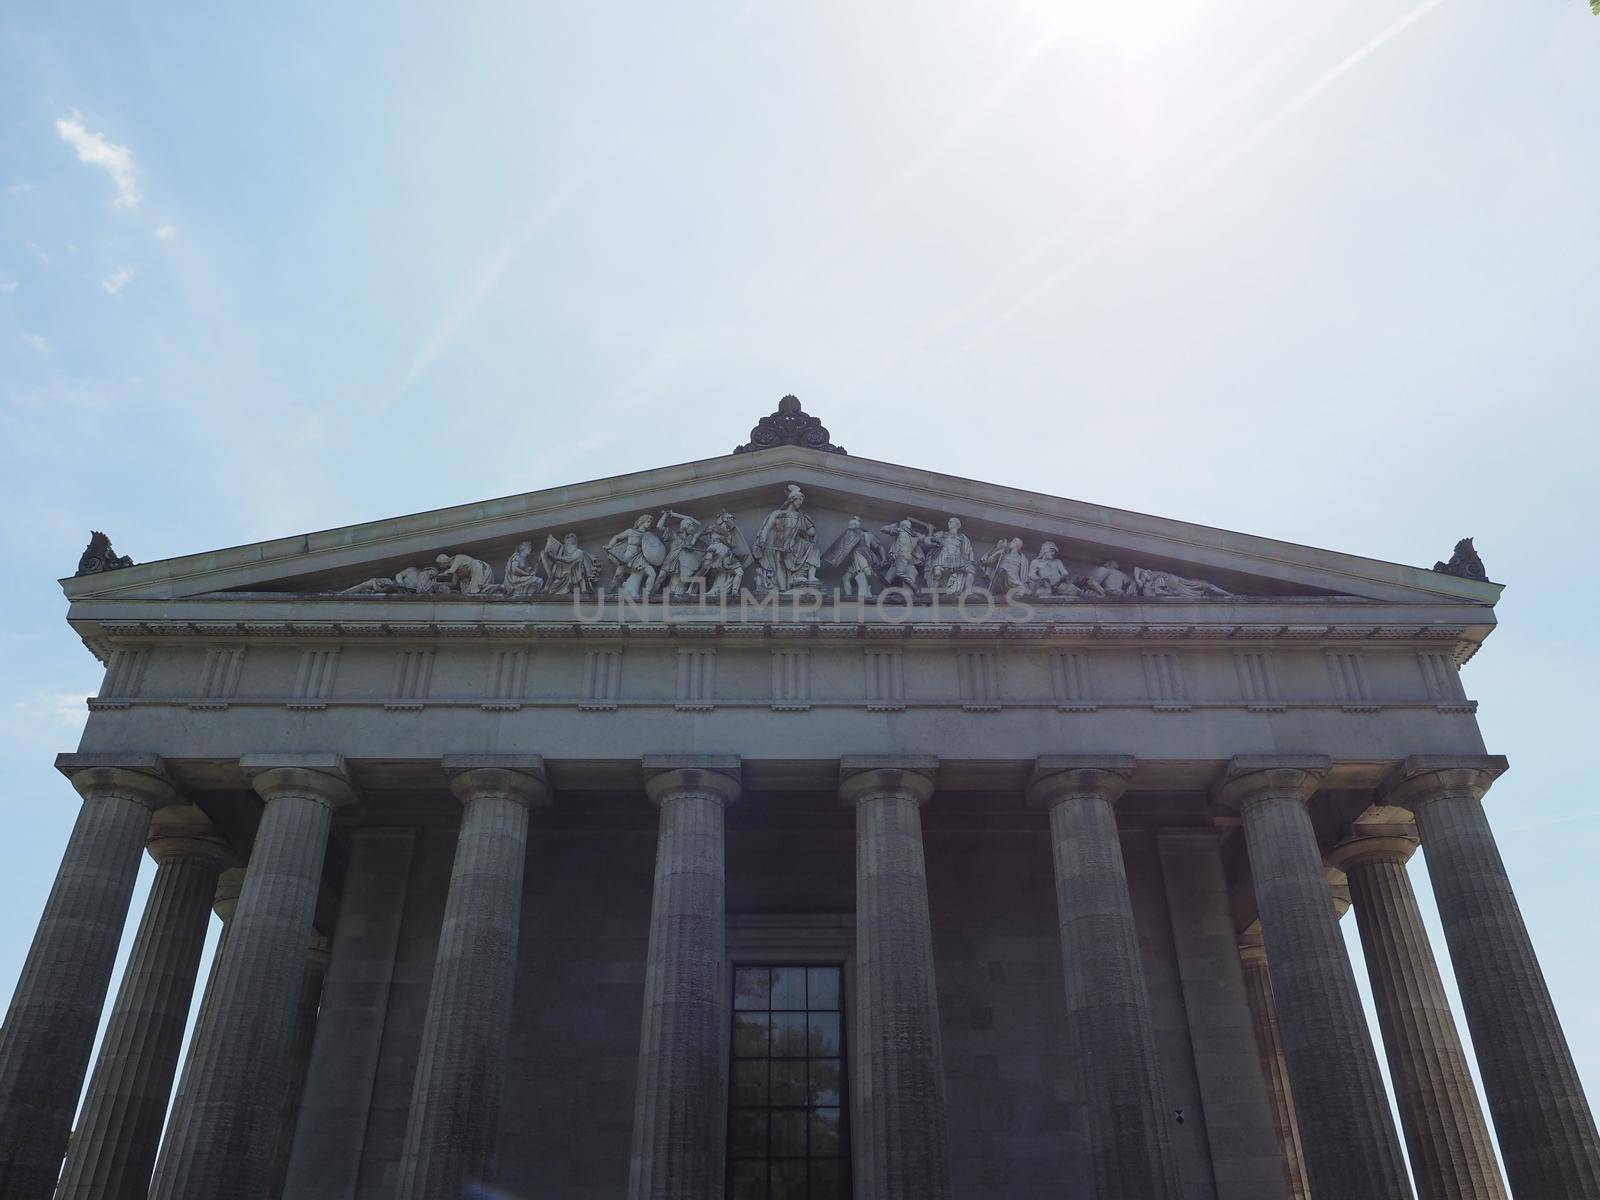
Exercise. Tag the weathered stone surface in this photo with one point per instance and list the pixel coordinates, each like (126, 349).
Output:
(455, 1101)
(242, 1045)
(114, 1146)
(1244, 1160)
(1447, 1138)
(305, 1032)
(1269, 1045)
(678, 1125)
(1351, 1147)
(50, 1027)
(899, 1052)
(1108, 1006)
(325, 1162)
(1546, 1129)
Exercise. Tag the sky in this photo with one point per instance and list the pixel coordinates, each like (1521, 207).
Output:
(1327, 273)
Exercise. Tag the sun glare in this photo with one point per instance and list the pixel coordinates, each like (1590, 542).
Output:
(1131, 29)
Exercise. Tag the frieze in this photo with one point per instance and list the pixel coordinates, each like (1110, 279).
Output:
(674, 556)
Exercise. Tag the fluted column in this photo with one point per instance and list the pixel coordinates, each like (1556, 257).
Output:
(1108, 1004)
(455, 1099)
(49, 1029)
(224, 902)
(1545, 1126)
(1446, 1135)
(235, 1094)
(1269, 1042)
(305, 1030)
(899, 1051)
(678, 1116)
(1346, 1133)
(119, 1130)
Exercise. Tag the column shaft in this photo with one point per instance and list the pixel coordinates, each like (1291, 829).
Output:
(1546, 1129)
(1269, 1043)
(1446, 1135)
(241, 1048)
(50, 1027)
(455, 1099)
(1108, 1003)
(1346, 1133)
(900, 1055)
(305, 1031)
(119, 1130)
(679, 1120)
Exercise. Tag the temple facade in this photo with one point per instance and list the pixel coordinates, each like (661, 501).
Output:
(786, 824)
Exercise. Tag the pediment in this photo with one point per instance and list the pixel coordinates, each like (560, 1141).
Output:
(750, 486)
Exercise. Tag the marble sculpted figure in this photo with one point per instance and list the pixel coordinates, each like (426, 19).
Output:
(1164, 583)
(786, 547)
(858, 554)
(1048, 575)
(682, 564)
(951, 569)
(1108, 579)
(465, 574)
(1007, 567)
(568, 570)
(522, 577)
(905, 553)
(637, 552)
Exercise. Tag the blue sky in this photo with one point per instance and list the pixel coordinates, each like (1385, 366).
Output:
(1325, 273)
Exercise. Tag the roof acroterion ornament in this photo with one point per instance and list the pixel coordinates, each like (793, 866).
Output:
(789, 426)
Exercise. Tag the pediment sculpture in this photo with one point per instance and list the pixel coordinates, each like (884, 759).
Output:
(98, 556)
(676, 556)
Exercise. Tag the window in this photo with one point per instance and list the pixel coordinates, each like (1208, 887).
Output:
(787, 1131)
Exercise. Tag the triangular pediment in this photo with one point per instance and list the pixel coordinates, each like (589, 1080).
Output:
(750, 486)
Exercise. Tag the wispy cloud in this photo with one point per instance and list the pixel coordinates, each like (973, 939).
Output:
(35, 341)
(117, 280)
(21, 188)
(7, 286)
(37, 251)
(166, 232)
(95, 150)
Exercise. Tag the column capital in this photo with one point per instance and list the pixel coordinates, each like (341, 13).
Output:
(716, 775)
(321, 777)
(1249, 778)
(141, 777)
(183, 831)
(1425, 777)
(519, 777)
(864, 776)
(1368, 846)
(1058, 778)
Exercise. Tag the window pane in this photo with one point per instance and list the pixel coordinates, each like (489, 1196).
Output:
(789, 1180)
(824, 1081)
(750, 1035)
(789, 1082)
(824, 1038)
(826, 1181)
(788, 987)
(750, 1083)
(750, 987)
(823, 987)
(749, 1181)
(749, 1134)
(788, 1035)
(825, 1132)
(788, 1134)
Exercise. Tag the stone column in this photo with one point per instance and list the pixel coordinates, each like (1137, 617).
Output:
(224, 902)
(49, 1029)
(1269, 1042)
(899, 1056)
(119, 1130)
(679, 1116)
(1346, 1133)
(1108, 1005)
(305, 1031)
(455, 1099)
(241, 1048)
(1446, 1135)
(1546, 1129)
